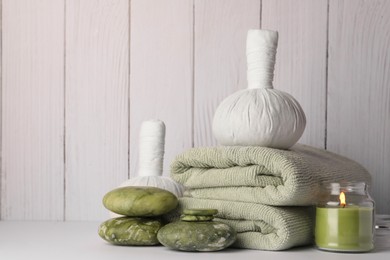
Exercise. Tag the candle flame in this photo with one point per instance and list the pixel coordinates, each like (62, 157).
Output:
(342, 199)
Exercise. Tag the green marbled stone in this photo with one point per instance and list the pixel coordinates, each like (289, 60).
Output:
(196, 218)
(140, 201)
(130, 231)
(196, 236)
(200, 212)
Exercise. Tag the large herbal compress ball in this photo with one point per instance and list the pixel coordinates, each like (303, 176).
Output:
(259, 115)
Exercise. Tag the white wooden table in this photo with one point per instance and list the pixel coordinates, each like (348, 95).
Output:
(79, 240)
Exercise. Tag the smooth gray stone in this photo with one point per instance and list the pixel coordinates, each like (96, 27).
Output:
(140, 201)
(197, 236)
(130, 231)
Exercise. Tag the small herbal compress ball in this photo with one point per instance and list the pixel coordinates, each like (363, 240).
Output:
(151, 158)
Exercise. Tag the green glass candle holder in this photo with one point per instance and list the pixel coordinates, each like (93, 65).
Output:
(345, 218)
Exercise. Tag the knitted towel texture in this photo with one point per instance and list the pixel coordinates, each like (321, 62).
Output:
(262, 175)
(259, 226)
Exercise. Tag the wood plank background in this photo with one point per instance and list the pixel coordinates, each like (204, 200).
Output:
(161, 73)
(96, 108)
(32, 150)
(359, 89)
(78, 77)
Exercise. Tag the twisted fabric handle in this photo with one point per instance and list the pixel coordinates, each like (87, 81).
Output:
(151, 148)
(261, 53)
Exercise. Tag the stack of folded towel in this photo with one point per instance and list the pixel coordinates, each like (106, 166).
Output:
(266, 194)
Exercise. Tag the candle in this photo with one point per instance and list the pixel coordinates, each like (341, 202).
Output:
(344, 229)
(344, 225)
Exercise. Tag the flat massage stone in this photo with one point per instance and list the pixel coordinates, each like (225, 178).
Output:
(196, 218)
(138, 201)
(129, 231)
(196, 236)
(200, 212)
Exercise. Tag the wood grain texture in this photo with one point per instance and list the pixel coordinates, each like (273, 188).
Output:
(161, 73)
(68, 102)
(97, 73)
(358, 92)
(32, 110)
(301, 58)
(1, 105)
(220, 61)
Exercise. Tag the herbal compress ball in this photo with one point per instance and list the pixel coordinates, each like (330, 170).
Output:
(151, 158)
(259, 115)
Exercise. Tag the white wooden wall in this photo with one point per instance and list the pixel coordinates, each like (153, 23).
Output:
(79, 76)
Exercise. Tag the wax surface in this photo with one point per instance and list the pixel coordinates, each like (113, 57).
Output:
(344, 229)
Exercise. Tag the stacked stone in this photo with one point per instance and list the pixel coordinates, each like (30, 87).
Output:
(196, 231)
(142, 208)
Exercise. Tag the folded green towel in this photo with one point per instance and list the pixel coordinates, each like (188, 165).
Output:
(259, 226)
(262, 175)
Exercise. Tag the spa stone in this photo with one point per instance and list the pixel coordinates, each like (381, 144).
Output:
(200, 212)
(140, 201)
(197, 232)
(192, 218)
(130, 231)
(196, 236)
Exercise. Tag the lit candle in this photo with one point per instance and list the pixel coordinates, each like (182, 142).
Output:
(347, 226)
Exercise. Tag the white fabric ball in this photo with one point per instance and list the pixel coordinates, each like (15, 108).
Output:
(151, 157)
(259, 117)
